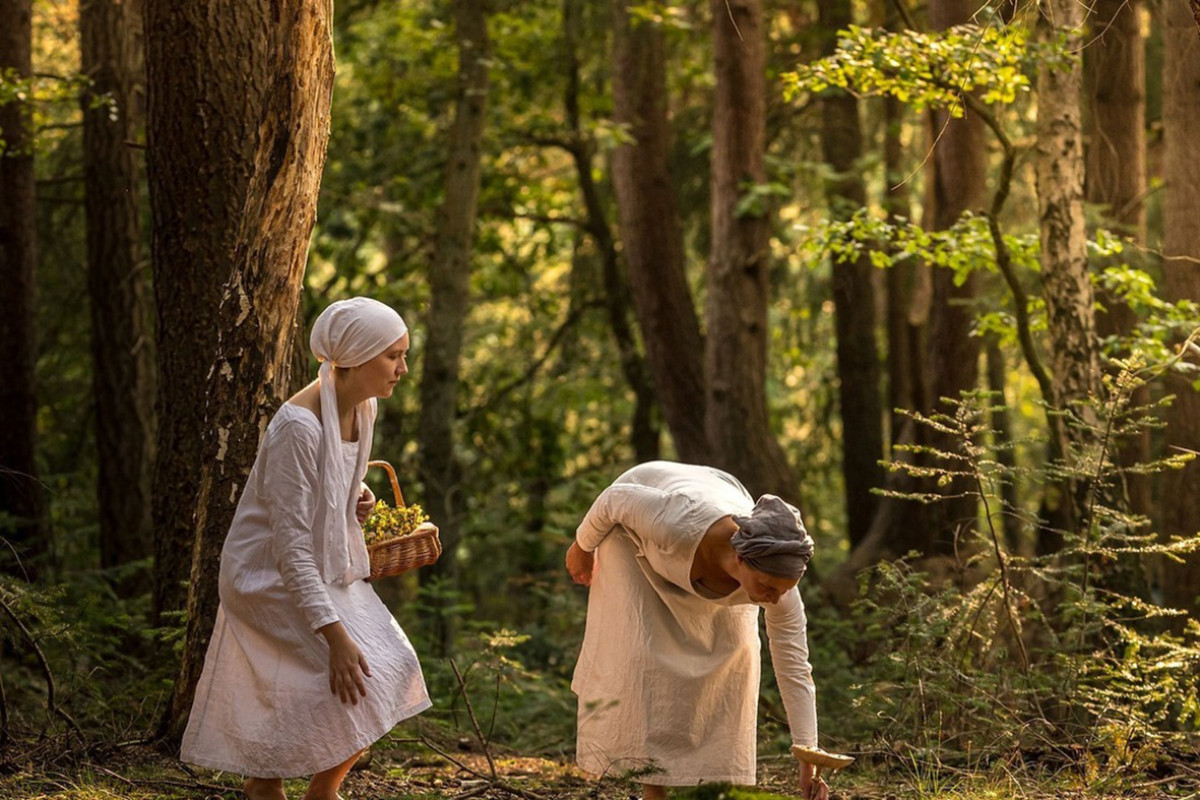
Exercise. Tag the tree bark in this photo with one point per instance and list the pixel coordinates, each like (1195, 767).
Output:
(736, 418)
(21, 494)
(118, 292)
(1066, 284)
(1181, 270)
(859, 378)
(1115, 76)
(651, 233)
(239, 101)
(450, 273)
(1059, 168)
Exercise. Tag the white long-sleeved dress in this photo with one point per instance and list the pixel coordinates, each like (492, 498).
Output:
(667, 677)
(263, 705)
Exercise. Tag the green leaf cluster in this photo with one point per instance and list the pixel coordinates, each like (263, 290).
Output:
(925, 70)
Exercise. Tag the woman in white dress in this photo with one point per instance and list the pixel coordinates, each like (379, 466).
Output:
(678, 559)
(306, 666)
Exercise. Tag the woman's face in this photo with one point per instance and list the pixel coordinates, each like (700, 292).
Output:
(763, 587)
(379, 375)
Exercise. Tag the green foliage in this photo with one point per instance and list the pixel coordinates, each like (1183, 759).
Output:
(927, 70)
(77, 667)
(998, 651)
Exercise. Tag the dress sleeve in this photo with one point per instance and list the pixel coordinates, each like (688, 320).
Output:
(289, 486)
(787, 630)
(645, 511)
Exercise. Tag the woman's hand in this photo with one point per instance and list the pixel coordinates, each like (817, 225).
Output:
(365, 504)
(348, 667)
(810, 788)
(579, 564)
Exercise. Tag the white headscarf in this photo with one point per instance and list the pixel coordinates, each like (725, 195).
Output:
(348, 333)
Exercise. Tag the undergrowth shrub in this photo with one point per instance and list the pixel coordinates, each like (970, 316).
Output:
(1067, 654)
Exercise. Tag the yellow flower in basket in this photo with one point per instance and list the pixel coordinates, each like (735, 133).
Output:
(386, 522)
(399, 537)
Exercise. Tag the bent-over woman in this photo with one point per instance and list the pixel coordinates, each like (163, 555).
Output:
(679, 559)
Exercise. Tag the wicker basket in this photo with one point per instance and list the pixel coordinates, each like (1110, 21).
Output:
(417, 549)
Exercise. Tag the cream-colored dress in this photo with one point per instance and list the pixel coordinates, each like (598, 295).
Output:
(263, 706)
(667, 678)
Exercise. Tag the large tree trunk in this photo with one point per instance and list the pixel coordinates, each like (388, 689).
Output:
(239, 101)
(450, 273)
(736, 419)
(1181, 268)
(1066, 284)
(854, 300)
(652, 235)
(1115, 76)
(949, 363)
(21, 493)
(645, 431)
(122, 350)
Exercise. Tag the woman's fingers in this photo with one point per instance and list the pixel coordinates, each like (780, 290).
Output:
(349, 683)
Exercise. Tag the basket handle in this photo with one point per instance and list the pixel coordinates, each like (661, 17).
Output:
(392, 477)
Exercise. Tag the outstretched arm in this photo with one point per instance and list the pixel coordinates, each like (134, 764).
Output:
(787, 629)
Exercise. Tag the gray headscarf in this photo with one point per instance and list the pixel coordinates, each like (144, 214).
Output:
(773, 539)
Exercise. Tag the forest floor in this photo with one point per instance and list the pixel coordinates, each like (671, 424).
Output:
(406, 773)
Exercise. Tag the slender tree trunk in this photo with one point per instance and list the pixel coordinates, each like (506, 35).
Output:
(21, 493)
(118, 292)
(450, 273)
(903, 332)
(949, 361)
(1115, 77)
(859, 389)
(736, 419)
(644, 433)
(1003, 438)
(1066, 284)
(1181, 270)
(241, 189)
(651, 233)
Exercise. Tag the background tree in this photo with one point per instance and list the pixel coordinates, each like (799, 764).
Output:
(618, 298)
(245, 228)
(449, 278)
(1066, 282)
(948, 363)
(651, 232)
(118, 292)
(859, 376)
(21, 494)
(1115, 179)
(736, 419)
(1181, 271)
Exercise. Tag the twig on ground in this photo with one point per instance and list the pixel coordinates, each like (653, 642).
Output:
(493, 781)
(483, 742)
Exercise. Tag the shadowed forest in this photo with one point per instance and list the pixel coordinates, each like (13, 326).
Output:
(927, 269)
